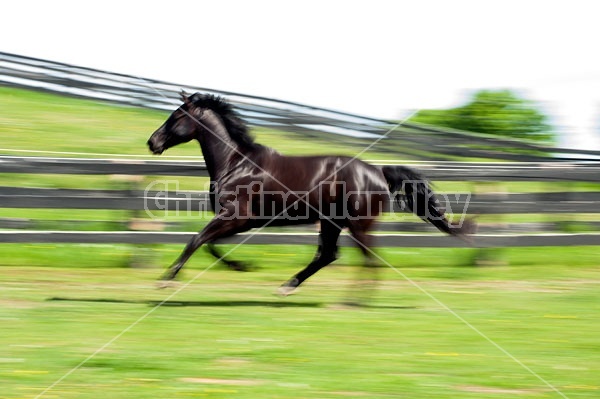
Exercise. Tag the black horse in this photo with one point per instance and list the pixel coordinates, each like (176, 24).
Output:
(254, 186)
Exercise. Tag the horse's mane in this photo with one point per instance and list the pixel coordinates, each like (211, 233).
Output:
(235, 126)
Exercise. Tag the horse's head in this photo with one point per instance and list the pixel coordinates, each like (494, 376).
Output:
(181, 126)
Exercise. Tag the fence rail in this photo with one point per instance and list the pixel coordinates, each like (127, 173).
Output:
(448, 171)
(194, 201)
(564, 202)
(380, 240)
(408, 139)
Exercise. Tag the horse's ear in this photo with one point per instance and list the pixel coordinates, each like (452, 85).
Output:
(184, 97)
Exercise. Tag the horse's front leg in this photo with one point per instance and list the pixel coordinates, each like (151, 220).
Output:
(219, 227)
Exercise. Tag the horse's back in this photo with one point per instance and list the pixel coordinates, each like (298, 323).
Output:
(305, 172)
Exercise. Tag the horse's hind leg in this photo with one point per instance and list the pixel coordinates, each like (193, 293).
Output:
(327, 253)
(368, 275)
(232, 264)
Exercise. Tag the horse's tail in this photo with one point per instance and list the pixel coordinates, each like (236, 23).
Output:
(412, 190)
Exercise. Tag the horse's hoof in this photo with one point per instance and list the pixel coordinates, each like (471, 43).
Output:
(286, 290)
(289, 288)
(162, 284)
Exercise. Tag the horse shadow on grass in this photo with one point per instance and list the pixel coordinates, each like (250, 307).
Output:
(225, 303)
(176, 303)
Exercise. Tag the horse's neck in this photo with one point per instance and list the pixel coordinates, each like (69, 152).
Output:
(217, 147)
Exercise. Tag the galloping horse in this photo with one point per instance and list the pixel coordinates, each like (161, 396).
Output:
(254, 186)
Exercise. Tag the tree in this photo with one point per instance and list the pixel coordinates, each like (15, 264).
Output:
(495, 112)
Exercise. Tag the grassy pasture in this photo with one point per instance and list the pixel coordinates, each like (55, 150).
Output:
(226, 336)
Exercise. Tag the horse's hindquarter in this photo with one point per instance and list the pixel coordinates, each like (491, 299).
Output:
(366, 190)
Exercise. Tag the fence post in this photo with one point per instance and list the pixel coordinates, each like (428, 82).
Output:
(492, 256)
(141, 255)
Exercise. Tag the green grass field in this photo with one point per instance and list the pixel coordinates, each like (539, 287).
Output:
(434, 326)
(225, 335)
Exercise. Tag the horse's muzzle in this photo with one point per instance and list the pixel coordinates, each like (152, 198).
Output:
(156, 149)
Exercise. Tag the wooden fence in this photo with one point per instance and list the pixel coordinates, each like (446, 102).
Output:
(390, 234)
